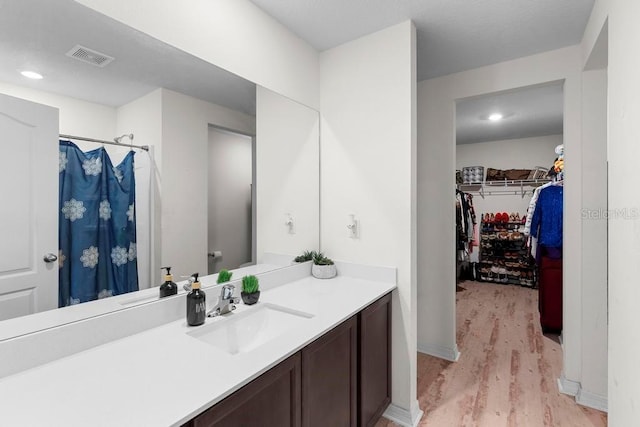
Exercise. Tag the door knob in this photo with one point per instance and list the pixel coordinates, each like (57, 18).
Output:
(50, 258)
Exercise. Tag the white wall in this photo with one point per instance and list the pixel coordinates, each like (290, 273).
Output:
(143, 118)
(230, 179)
(597, 20)
(523, 153)
(233, 34)
(287, 175)
(367, 94)
(593, 387)
(624, 181)
(436, 226)
(80, 118)
(185, 140)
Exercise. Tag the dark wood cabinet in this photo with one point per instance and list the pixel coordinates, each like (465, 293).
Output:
(329, 378)
(272, 399)
(341, 379)
(374, 365)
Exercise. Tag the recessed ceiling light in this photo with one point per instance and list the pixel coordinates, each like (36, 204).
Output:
(495, 117)
(31, 75)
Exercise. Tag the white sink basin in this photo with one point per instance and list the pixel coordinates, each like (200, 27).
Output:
(242, 332)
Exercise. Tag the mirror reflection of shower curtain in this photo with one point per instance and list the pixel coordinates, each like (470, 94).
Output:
(98, 256)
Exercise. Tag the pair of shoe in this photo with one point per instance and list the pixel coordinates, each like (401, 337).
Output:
(514, 217)
(503, 235)
(502, 217)
(526, 278)
(516, 235)
(495, 218)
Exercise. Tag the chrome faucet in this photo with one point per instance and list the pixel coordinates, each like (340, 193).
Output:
(187, 286)
(226, 302)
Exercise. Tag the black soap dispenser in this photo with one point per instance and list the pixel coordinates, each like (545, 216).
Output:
(168, 288)
(196, 304)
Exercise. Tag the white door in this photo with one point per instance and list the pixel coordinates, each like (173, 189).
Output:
(28, 207)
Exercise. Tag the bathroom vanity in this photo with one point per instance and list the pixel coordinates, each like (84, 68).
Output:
(341, 378)
(311, 352)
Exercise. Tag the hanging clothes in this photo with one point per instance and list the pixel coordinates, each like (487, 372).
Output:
(465, 218)
(97, 225)
(465, 231)
(532, 207)
(473, 229)
(546, 223)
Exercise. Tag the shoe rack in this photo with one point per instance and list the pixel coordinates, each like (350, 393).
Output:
(504, 257)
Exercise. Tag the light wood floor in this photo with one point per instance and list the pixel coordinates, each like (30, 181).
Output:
(507, 372)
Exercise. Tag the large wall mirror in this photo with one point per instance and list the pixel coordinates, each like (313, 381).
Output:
(231, 174)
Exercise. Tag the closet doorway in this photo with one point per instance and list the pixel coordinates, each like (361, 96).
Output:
(509, 306)
(506, 144)
(231, 196)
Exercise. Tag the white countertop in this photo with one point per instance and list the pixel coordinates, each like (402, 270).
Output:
(163, 376)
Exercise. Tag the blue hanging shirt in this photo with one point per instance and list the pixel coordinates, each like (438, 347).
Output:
(546, 223)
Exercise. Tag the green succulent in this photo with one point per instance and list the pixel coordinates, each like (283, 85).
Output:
(306, 256)
(320, 259)
(224, 276)
(250, 284)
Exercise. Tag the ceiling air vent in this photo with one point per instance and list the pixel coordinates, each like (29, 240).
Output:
(89, 56)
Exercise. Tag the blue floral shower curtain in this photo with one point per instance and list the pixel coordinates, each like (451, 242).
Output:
(97, 226)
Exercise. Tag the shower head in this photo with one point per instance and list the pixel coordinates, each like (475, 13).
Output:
(118, 139)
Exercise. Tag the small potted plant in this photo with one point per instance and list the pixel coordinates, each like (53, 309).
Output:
(323, 267)
(306, 256)
(250, 290)
(224, 276)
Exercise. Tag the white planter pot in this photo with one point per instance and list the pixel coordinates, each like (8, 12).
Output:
(323, 271)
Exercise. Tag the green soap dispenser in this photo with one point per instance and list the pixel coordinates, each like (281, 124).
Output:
(196, 303)
(168, 288)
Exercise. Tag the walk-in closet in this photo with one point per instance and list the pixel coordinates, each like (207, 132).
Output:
(509, 194)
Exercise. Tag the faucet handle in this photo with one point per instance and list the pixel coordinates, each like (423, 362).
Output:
(190, 279)
(226, 293)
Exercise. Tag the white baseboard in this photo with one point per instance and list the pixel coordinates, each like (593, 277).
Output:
(582, 396)
(568, 386)
(447, 353)
(592, 400)
(404, 417)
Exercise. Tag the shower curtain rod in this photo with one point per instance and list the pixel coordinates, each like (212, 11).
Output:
(82, 138)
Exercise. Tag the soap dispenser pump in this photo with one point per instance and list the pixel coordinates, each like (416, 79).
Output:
(168, 288)
(196, 303)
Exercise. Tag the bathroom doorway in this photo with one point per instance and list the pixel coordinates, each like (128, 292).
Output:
(231, 195)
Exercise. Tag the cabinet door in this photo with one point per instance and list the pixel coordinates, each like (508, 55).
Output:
(270, 400)
(329, 378)
(375, 361)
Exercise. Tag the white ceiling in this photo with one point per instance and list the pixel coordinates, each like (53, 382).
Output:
(453, 35)
(36, 34)
(528, 112)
